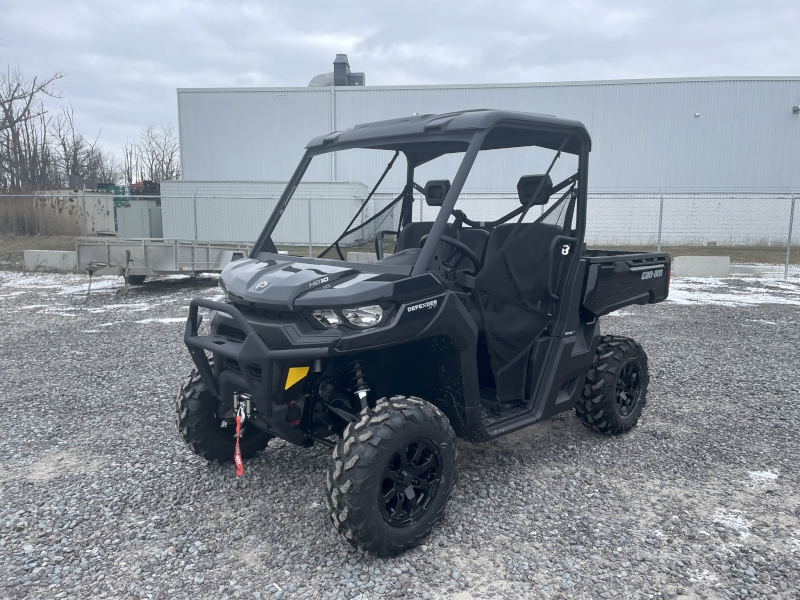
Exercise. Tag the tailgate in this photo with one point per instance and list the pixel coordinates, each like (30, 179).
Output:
(616, 280)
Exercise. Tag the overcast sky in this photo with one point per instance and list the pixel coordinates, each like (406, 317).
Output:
(122, 61)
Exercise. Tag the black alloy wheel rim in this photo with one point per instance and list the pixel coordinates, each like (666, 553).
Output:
(629, 388)
(409, 482)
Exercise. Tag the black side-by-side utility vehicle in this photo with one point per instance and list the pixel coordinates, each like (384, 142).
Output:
(471, 328)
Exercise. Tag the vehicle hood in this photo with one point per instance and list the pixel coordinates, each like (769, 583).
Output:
(285, 284)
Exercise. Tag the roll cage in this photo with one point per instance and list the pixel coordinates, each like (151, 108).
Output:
(426, 137)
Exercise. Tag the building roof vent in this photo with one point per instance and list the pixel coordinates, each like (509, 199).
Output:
(340, 76)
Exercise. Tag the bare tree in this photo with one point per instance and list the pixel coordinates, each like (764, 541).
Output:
(75, 155)
(155, 156)
(106, 167)
(24, 150)
(130, 162)
(69, 146)
(38, 151)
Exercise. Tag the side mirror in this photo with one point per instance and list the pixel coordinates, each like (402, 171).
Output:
(436, 190)
(527, 186)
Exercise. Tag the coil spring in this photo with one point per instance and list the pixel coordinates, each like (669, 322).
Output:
(359, 381)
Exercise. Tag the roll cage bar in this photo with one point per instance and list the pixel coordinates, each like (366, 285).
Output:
(425, 138)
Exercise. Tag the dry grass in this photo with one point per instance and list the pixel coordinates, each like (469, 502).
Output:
(12, 246)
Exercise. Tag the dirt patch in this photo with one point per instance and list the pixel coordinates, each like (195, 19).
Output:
(56, 464)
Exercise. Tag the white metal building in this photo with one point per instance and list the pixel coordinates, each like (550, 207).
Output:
(691, 134)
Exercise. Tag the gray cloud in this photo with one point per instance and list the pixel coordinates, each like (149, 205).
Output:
(123, 60)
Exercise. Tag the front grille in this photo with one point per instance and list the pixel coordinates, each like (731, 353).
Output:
(232, 365)
(231, 332)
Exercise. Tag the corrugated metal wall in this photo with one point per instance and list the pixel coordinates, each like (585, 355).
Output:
(250, 135)
(645, 134)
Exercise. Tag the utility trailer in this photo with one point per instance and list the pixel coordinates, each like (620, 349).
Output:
(141, 258)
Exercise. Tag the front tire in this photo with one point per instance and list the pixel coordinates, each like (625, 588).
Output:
(200, 417)
(616, 387)
(391, 476)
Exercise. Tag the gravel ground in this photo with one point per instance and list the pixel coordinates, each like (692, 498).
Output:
(100, 498)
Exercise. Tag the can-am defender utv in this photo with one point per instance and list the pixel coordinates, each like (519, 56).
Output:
(471, 328)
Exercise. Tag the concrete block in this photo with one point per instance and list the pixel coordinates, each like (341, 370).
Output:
(50, 260)
(362, 257)
(701, 266)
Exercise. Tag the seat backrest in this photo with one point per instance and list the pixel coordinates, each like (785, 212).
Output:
(526, 257)
(533, 245)
(476, 240)
(411, 234)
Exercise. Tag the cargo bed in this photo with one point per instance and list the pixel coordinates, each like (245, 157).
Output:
(615, 279)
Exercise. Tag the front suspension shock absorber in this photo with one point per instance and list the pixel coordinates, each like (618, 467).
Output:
(360, 383)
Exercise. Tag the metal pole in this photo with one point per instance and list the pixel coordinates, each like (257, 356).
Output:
(310, 245)
(333, 128)
(789, 241)
(421, 204)
(194, 210)
(660, 220)
(83, 208)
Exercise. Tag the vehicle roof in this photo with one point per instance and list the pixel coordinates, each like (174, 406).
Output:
(427, 135)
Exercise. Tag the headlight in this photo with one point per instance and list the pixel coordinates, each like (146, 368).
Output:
(327, 317)
(365, 316)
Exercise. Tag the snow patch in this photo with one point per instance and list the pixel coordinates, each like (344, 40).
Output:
(57, 282)
(733, 520)
(166, 320)
(762, 479)
(734, 291)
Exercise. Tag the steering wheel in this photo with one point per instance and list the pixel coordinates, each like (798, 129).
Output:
(459, 248)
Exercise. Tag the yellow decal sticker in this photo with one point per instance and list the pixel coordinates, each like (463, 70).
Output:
(295, 375)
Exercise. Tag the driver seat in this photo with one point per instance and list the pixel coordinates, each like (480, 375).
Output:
(476, 240)
(412, 233)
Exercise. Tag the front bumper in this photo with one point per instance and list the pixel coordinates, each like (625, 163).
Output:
(256, 365)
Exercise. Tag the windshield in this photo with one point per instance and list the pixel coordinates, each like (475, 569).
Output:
(331, 219)
(370, 210)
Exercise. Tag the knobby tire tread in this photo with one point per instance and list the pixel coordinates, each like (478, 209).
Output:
(596, 407)
(357, 456)
(194, 408)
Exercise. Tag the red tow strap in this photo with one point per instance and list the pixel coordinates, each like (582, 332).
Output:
(237, 454)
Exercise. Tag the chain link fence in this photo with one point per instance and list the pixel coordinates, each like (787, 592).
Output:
(751, 228)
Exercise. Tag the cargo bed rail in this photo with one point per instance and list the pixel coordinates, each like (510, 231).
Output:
(156, 256)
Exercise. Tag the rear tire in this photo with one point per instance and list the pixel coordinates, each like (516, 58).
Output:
(199, 423)
(616, 387)
(391, 476)
(136, 279)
